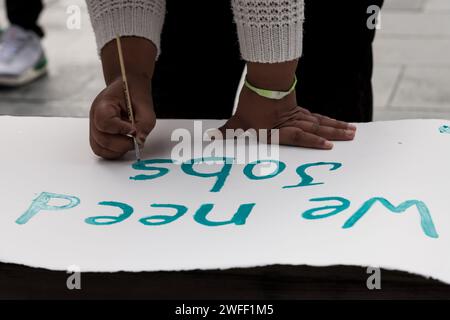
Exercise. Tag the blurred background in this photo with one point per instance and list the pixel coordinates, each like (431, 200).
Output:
(411, 74)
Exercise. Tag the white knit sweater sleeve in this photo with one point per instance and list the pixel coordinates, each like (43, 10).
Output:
(141, 18)
(269, 31)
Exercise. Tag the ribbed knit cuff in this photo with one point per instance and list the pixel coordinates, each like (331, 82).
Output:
(270, 45)
(267, 35)
(127, 21)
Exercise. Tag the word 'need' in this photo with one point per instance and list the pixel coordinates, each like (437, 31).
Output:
(202, 214)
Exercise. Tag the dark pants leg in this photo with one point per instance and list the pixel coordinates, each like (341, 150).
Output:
(25, 13)
(335, 70)
(198, 72)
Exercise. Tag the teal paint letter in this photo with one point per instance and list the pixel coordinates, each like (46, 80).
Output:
(306, 179)
(248, 170)
(425, 217)
(108, 220)
(239, 217)
(310, 214)
(181, 210)
(142, 165)
(188, 168)
(41, 203)
(444, 129)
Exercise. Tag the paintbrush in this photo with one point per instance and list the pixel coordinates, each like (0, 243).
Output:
(127, 97)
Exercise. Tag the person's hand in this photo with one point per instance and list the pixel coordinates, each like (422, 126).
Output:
(110, 128)
(297, 126)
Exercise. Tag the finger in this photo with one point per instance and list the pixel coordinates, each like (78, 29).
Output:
(102, 152)
(296, 137)
(307, 117)
(303, 110)
(116, 143)
(107, 119)
(326, 132)
(234, 123)
(330, 122)
(323, 120)
(145, 122)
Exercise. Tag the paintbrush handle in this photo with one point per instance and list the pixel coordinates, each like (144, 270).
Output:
(125, 82)
(127, 96)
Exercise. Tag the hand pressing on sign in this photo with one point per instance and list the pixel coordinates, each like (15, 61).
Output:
(110, 128)
(297, 126)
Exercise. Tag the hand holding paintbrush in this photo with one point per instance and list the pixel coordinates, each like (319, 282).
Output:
(122, 115)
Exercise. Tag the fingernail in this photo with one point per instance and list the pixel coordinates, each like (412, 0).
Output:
(350, 133)
(352, 127)
(141, 139)
(328, 145)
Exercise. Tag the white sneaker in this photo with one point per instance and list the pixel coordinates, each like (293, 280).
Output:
(22, 57)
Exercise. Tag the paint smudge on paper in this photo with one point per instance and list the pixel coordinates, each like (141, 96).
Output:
(444, 129)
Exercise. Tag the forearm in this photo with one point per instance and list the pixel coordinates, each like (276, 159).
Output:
(272, 76)
(270, 35)
(139, 57)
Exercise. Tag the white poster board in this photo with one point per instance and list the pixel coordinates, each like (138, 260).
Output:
(389, 188)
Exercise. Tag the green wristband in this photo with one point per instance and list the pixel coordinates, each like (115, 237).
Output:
(271, 94)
